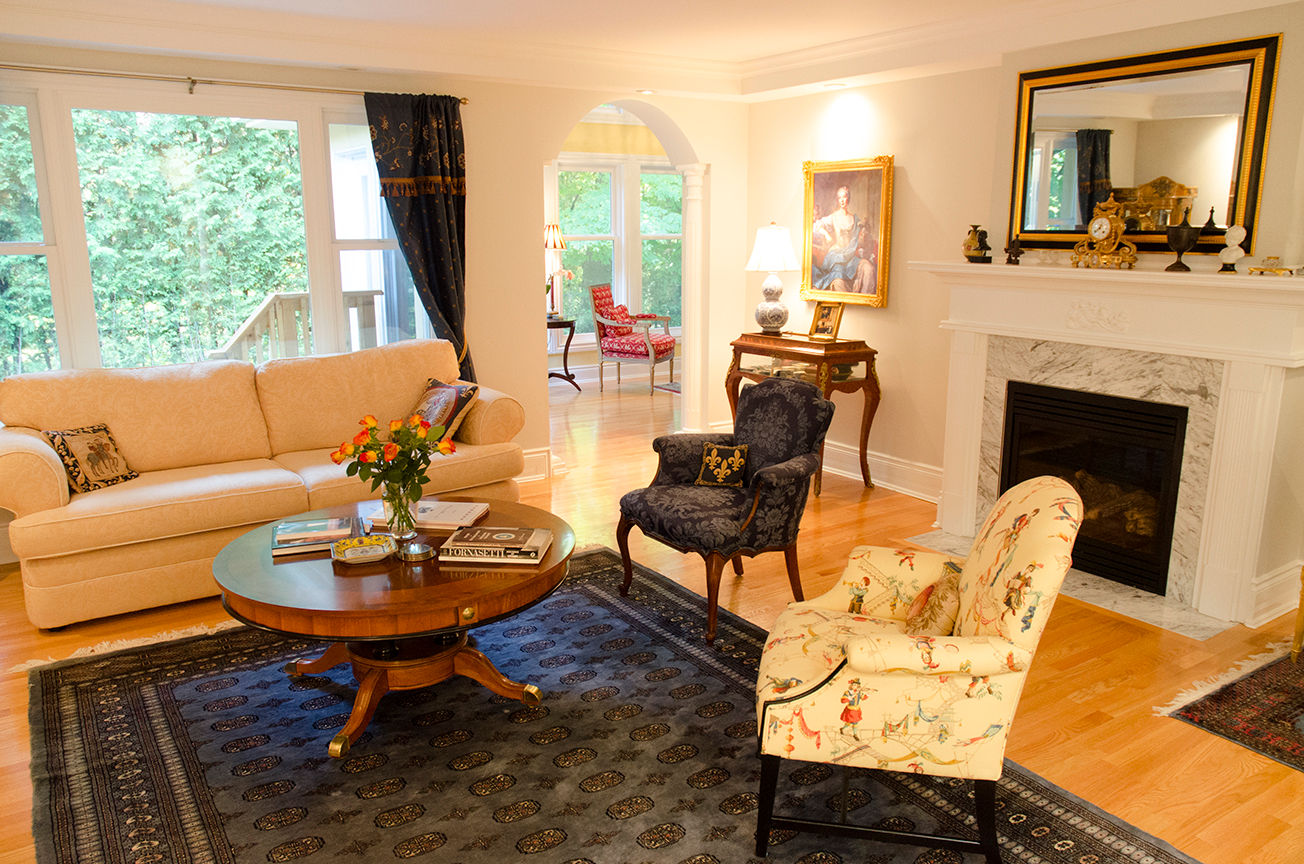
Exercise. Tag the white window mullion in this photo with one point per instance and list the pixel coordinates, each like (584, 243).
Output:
(325, 294)
(629, 236)
(65, 232)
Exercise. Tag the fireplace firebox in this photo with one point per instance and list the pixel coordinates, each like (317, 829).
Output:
(1124, 457)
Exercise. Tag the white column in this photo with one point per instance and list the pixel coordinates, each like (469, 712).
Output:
(964, 418)
(1239, 471)
(694, 309)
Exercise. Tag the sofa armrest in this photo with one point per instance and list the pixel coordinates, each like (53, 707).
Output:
(31, 475)
(494, 418)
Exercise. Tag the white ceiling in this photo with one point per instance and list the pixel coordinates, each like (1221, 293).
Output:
(723, 48)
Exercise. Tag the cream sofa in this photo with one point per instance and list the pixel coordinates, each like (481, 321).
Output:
(221, 447)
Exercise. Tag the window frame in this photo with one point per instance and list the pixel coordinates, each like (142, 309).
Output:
(627, 245)
(50, 99)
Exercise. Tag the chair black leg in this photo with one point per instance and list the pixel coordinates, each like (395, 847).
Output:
(765, 802)
(622, 540)
(984, 796)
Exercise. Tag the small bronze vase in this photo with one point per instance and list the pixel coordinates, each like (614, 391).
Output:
(1181, 239)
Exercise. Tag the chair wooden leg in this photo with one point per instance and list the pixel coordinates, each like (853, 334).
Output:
(600, 381)
(622, 541)
(794, 578)
(765, 804)
(672, 367)
(738, 564)
(984, 796)
(714, 568)
(652, 377)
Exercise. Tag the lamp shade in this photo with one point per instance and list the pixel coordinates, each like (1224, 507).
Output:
(772, 251)
(552, 238)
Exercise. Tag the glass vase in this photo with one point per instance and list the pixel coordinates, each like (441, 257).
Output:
(398, 510)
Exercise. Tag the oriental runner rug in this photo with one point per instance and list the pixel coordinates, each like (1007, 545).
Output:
(643, 750)
(1262, 710)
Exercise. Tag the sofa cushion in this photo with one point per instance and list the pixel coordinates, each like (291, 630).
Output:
(162, 417)
(445, 406)
(471, 465)
(492, 419)
(341, 388)
(161, 504)
(90, 457)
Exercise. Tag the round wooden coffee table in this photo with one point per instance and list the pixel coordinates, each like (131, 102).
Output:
(401, 624)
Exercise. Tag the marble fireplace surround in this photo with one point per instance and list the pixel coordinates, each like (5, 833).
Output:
(1224, 346)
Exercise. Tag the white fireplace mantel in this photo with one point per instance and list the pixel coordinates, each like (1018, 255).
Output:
(1240, 564)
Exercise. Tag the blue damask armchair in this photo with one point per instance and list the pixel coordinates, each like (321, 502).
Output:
(726, 495)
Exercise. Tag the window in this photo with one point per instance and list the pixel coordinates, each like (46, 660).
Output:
(227, 222)
(195, 229)
(380, 301)
(1052, 185)
(623, 225)
(28, 341)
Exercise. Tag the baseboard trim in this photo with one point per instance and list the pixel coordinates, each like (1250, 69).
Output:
(910, 478)
(1273, 593)
(538, 465)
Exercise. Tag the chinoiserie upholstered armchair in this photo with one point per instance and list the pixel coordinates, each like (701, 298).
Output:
(626, 338)
(914, 661)
(726, 495)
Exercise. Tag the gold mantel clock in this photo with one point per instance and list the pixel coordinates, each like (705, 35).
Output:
(1104, 245)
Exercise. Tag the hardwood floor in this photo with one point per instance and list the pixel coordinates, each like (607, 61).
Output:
(1085, 721)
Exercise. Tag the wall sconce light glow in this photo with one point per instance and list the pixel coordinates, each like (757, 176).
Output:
(847, 129)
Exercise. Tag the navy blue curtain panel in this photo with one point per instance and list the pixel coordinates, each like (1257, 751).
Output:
(420, 154)
(1094, 184)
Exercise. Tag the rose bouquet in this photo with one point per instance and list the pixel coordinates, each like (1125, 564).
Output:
(397, 463)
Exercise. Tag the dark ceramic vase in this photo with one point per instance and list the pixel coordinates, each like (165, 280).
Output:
(1181, 239)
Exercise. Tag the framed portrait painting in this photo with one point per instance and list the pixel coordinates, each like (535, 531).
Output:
(848, 230)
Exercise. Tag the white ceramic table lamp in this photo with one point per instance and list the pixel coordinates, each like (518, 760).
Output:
(772, 253)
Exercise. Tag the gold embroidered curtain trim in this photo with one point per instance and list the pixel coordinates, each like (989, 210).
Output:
(410, 187)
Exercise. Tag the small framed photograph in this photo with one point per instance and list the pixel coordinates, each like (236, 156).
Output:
(848, 231)
(827, 318)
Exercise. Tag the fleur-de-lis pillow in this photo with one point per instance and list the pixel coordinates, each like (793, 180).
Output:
(722, 465)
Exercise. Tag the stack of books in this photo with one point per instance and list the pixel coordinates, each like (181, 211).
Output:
(311, 535)
(433, 515)
(496, 545)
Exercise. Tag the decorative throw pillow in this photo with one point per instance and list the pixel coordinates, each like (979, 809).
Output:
(934, 611)
(90, 457)
(722, 465)
(446, 404)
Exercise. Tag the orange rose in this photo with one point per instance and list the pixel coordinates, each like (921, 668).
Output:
(422, 432)
(369, 421)
(338, 456)
(366, 456)
(348, 449)
(425, 424)
(362, 437)
(395, 425)
(415, 420)
(391, 450)
(446, 446)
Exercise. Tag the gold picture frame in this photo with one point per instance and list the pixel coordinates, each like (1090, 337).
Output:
(824, 324)
(848, 231)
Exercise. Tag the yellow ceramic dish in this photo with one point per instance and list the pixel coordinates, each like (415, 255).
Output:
(362, 550)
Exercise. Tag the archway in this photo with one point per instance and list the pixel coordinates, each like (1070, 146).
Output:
(674, 153)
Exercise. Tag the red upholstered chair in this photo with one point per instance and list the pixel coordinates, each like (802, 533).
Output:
(625, 338)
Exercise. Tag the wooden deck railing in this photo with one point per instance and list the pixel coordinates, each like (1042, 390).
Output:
(281, 327)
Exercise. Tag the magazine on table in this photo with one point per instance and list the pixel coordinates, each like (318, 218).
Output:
(311, 535)
(433, 515)
(486, 543)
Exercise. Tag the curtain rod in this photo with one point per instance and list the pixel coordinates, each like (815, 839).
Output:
(191, 83)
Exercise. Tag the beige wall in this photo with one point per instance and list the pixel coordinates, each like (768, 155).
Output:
(942, 135)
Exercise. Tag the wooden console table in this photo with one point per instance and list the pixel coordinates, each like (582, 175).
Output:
(567, 324)
(795, 355)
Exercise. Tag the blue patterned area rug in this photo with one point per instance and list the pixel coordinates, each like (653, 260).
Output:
(643, 750)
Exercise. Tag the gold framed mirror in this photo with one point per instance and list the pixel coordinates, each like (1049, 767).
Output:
(1169, 134)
